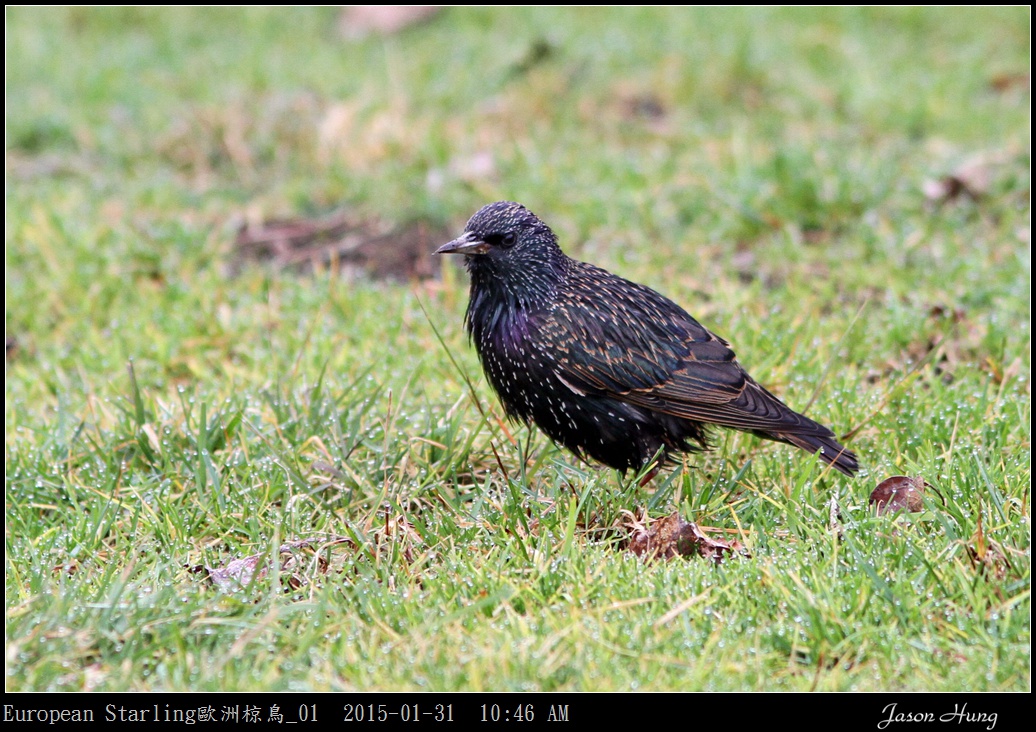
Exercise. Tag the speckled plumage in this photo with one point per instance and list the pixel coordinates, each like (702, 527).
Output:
(608, 368)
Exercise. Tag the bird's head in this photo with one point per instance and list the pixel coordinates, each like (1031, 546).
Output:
(505, 240)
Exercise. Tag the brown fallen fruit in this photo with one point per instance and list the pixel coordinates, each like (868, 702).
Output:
(898, 493)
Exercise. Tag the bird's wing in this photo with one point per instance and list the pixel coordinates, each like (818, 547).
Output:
(639, 347)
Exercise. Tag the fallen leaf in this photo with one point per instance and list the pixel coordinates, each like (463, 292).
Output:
(672, 536)
(899, 493)
(972, 178)
(1010, 80)
(240, 574)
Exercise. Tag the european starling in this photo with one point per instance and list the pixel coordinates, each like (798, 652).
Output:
(608, 368)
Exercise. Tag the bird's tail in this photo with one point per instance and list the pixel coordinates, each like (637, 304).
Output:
(831, 452)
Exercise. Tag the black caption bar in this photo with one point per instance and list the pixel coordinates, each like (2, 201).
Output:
(432, 710)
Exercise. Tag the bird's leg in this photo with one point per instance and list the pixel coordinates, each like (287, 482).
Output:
(649, 475)
(653, 466)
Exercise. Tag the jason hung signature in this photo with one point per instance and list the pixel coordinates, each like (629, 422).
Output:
(960, 714)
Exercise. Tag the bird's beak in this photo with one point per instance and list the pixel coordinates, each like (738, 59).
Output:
(466, 243)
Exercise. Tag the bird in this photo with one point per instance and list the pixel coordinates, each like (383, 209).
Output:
(609, 369)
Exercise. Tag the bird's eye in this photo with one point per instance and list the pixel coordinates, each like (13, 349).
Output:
(508, 240)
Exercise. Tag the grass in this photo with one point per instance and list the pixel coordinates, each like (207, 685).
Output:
(765, 168)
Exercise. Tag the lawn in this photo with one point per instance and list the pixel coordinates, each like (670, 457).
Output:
(229, 467)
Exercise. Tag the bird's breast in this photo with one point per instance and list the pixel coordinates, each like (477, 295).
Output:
(517, 366)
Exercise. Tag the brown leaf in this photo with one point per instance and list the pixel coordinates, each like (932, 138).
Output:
(358, 21)
(1010, 80)
(672, 536)
(899, 493)
(239, 574)
(940, 190)
(972, 178)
